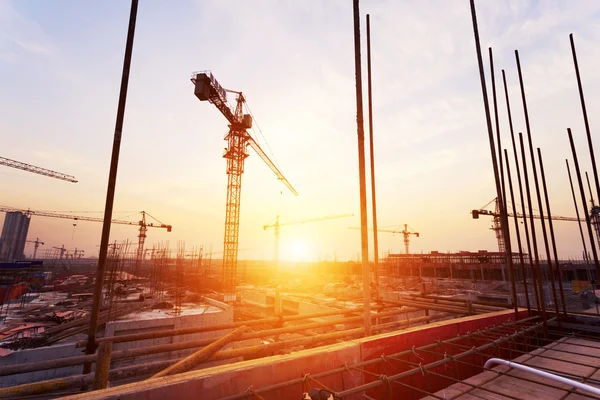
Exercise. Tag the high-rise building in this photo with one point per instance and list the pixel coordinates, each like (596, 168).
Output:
(14, 235)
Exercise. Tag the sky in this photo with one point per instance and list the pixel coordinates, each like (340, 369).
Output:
(60, 71)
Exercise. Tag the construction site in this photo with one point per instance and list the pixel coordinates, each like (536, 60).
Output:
(145, 318)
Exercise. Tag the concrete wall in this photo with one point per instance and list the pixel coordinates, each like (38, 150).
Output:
(227, 380)
(132, 326)
(40, 354)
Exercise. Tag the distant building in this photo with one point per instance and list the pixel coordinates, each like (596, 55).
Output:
(14, 235)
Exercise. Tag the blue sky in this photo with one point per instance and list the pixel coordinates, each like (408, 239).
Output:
(60, 69)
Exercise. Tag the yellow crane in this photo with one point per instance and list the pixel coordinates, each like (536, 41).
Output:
(276, 225)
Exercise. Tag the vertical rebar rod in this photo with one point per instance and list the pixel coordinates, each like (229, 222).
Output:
(552, 238)
(497, 125)
(587, 178)
(542, 220)
(488, 119)
(512, 199)
(364, 237)
(540, 287)
(585, 210)
(504, 220)
(586, 255)
(585, 118)
(534, 172)
(110, 192)
(518, 170)
(372, 154)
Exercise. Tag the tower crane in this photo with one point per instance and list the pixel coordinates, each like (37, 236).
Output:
(277, 224)
(36, 243)
(142, 224)
(496, 222)
(36, 170)
(206, 88)
(405, 233)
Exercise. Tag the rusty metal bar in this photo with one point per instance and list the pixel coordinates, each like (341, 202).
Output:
(583, 201)
(512, 199)
(585, 119)
(540, 286)
(364, 233)
(488, 119)
(110, 192)
(585, 252)
(492, 304)
(536, 183)
(372, 156)
(555, 253)
(504, 218)
(429, 306)
(512, 137)
(201, 355)
(102, 366)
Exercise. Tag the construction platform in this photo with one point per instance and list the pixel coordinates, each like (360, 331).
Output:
(440, 360)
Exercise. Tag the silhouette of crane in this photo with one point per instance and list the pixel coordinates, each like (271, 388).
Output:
(206, 88)
(277, 224)
(405, 234)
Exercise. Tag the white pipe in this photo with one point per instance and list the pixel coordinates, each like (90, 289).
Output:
(544, 374)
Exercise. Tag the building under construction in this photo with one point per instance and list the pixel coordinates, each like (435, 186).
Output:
(158, 322)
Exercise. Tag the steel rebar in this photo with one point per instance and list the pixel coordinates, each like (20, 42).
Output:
(585, 210)
(372, 156)
(552, 239)
(585, 118)
(514, 145)
(364, 235)
(488, 119)
(512, 199)
(110, 192)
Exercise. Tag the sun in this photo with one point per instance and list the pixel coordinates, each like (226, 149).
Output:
(299, 250)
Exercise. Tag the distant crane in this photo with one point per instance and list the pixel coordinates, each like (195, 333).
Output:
(36, 244)
(277, 224)
(142, 224)
(405, 233)
(36, 170)
(61, 251)
(206, 88)
(497, 226)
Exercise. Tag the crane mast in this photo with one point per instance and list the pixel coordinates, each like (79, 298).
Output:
(206, 88)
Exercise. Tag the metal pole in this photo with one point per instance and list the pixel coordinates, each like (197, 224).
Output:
(585, 117)
(491, 140)
(110, 193)
(364, 236)
(372, 153)
(512, 199)
(585, 210)
(514, 144)
(551, 227)
(586, 256)
(540, 287)
(544, 232)
(504, 218)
